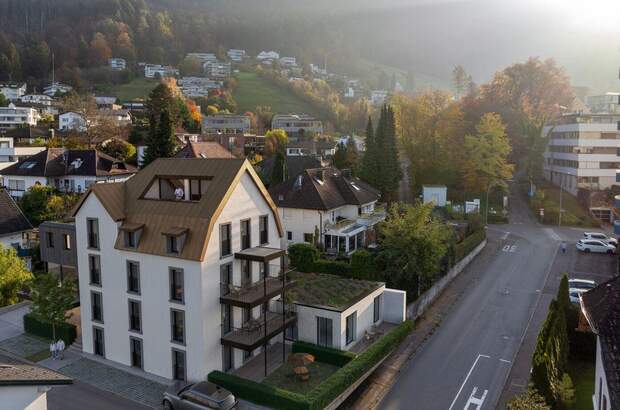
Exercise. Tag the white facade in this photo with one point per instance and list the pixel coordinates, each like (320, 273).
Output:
(294, 123)
(13, 116)
(56, 88)
(288, 62)
(117, 64)
(157, 70)
(217, 69)
(13, 92)
(600, 399)
(71, 121)
(226, 124)
(202, 309)
(236, 55)
(24, 397)
(583, 154)
(42, 99)
(378, 97)
(17, 185)
(10, 154)
(202, 56)
(608, 103)
(268, 55)
(198, 86)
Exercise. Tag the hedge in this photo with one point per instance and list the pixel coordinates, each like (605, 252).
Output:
(464, 248)
(303, 256)
(65, 331)
(324, 354)
(332, 267)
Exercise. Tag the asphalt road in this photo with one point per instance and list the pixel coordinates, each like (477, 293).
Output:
(466, 362)
(80, 396)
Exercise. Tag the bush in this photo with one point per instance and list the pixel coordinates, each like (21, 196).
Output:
(65, 331)
(324, 354)
(303, 256)
(259, 393)
(468, 244)
(363, 264)
(332, 267)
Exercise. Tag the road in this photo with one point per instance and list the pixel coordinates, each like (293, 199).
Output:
(466, 362)
(80, 396)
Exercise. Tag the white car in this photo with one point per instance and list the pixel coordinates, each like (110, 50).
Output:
(574, 294)
(594, 245)
(601, 237)
(582, 284)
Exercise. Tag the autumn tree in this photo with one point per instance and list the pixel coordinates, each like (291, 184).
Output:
(118, 149)
(100, 51)
(264, 114)
(275, 141)
(461, 81)
(14, 275)
(41, 203)
(191, 66)
(528, 400)
(94, 124)
(487, 155)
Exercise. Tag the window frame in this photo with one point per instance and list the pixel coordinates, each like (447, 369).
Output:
(248, 225)
(128, 270)
(228, 227)
(172, 245)
(263, 229)
(173, 312)
(376, 308)
(102, 330)
(171, 298)
(93, 296)
(133, 339)
(324, 320)
(49, 240)
(89, 233)
(174, 364)
(130, 303)
(66, 242)
(351, 331)
(91, 257)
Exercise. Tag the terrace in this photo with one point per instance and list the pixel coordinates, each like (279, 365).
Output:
(256, 332)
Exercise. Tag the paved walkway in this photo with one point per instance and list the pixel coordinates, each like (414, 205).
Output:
(24, 345)
(12, 322)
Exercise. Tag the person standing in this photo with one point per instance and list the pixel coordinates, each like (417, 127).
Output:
(563, 247)
(53, 350)
(61, 349)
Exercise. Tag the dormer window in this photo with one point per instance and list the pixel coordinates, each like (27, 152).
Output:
(172, 245)
(175, 240)
(131, 234)
(177, 188)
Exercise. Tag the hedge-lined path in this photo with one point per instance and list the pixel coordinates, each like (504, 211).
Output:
(12, 320)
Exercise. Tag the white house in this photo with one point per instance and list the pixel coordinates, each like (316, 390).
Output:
(329, 202)
(236, 55)
(608, 103)
(41, 99)
(65, 169)
(198, 86)
(601, 308)
(56, 88)
(378, 97)
(71, 121)
(296, 123)
(117, 64)
(226, 124)
(159, 71)
(203, 57)
(217, 69)
(437, 194)
(288, 61)
(13, 116)
(268, 55)
(24, 386)
(13, 91)
(11, 154)
(177, 266)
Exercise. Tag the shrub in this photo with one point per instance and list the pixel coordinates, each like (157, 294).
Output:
(468, 244)
(332, 267)
(363, 264)
(303, 256)
(324, 354)
(65, 331)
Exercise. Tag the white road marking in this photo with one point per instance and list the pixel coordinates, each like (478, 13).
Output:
(505, 236)
(551, 233)
(509, 248)
(504, 360)
(474, 400)
(467, 377)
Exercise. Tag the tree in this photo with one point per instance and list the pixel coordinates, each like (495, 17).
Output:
(566, 306)
(528, 400)
(95, 125)
(191, 66)
(275, 141)
(279, 173)
(3, 101)
(487, 152)
(160, 143)
(52, 300)
(566, 393)
(14, 275)
(340, 156)
(118, 149)
(264, 114)
(353, 156)
(161, 99)
(100, 51)
(390, 172)
(40, 203)
(369, 168)
(461, 81)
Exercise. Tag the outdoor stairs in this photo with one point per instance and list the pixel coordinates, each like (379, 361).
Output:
(76, 347)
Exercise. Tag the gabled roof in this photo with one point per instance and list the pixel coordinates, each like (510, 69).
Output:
(60, 162)
(124, 202)
(12, 220)
(210, 149)
(18, 372)
(294, 165)
(322, 189)
(601, 306)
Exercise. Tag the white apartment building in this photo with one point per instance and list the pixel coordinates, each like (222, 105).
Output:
(11, 154)
(583, 152)
(13, 92)
(117, 64)
(56, 88)
(71, 121)
(295, 123)
(268, 55)
(181, 284)
(217, 69)
(159, 71)
(204, 57)
(41, 99)
(608, 103)
(13, 116)
(236, 55)
(198, 86)
(378, 97)
(288, 62)
(226, 124)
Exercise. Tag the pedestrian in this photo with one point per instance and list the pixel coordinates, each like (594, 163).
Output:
(563, 247)
(61, 349)
(53, 350)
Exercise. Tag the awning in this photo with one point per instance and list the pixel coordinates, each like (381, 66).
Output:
(259, 254)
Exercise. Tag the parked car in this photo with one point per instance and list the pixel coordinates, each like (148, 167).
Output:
(198, 396)
(582, 284)
(601, 237)
(574, 294)
(592, 245)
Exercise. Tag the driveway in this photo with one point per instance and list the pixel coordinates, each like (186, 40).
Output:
(12, 322)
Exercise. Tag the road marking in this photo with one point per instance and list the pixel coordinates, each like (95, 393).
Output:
(474, 400)
(505, 236)
(551, 233)
(504, 360)
(509, 248)
(467, 377)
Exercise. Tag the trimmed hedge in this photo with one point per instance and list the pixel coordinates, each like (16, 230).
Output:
(65, 331)
(464, 248)
(332, 267)
(303, 256)
(324, 354)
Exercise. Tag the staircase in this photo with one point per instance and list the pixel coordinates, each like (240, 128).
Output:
(76, 346)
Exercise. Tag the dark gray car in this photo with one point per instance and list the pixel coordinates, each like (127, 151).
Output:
(198, 396)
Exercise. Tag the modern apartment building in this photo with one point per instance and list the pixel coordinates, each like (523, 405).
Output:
(13, 116)
(294, 124)
(11, 153)
(236, 55)
(226, 124)
(159, 71)
(198, 86)
(608, 103)
(583, 151)
(180, 268)
(13, 91)
(217, 69)
(117, 64)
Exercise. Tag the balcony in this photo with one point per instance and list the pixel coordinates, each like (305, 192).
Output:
(257, 332)
(256, 293)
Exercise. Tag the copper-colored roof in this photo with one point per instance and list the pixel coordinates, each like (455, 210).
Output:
(124, 201)
(207, 149)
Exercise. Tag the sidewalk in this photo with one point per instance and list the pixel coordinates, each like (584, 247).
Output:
(12, 320)
(369, 395)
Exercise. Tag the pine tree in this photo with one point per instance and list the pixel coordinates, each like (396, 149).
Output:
(369, 167)
(340, 156)
(279, 173)
(353, 156)
(388, 171)
(160, 142)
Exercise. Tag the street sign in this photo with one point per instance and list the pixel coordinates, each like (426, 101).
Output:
(542, 212)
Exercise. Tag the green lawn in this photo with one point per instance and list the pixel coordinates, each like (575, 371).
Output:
(582, 373)
(284, 378)
(252, 91)
(137, 88)
(37, 357)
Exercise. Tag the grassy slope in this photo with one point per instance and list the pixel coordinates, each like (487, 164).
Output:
(138, 88)
(252, 91)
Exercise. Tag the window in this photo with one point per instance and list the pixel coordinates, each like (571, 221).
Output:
(263, 227)
(92, 228)
(246, 273)
(178, 364)
(98, 342)
(308, 237)
(171, 245)
(176, 285)
(289, 235)
(135, 317)
(135, 347)
(376, 309)
(94, 266)
(66, 241)
(49, 239)
(133, 277)
(228, 359)
(324, 331)
(351, 327)
(225, 246)
(246, 241)
(97, 306)
(177, 324)
(130, 239)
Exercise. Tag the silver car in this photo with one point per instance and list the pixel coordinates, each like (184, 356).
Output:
(601, 237)
(198, 396)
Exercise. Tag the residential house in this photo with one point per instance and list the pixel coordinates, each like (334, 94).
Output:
(40, 99)
(317, 70)
(378, 97)
(217, 69)
(601, 308)
(107, 103)
(288, 62)
(324, 148)
(226, 124)
(119, 117)
(13, 91)
(193, 87)
(159, 71)
(360, 144)
(68, 170)
(58, 249)
(117, 64)
(29, 135)
(14, 227)
(71, 121)
(13, 116)
(205, 150)
(294, 165)
(240, 144)
(24, 385)
(436, 194)
(341, 209)
(268, 56)
(184, 283)
(12, 152)
(56, 88)
(296, 124)
(608, 103)
(236, 55)
(203, 57)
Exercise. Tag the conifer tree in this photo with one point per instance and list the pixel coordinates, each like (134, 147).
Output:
(369, 167)
(160, 142)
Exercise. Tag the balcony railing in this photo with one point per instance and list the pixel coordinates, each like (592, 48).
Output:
(256, 332)
(256, 293)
